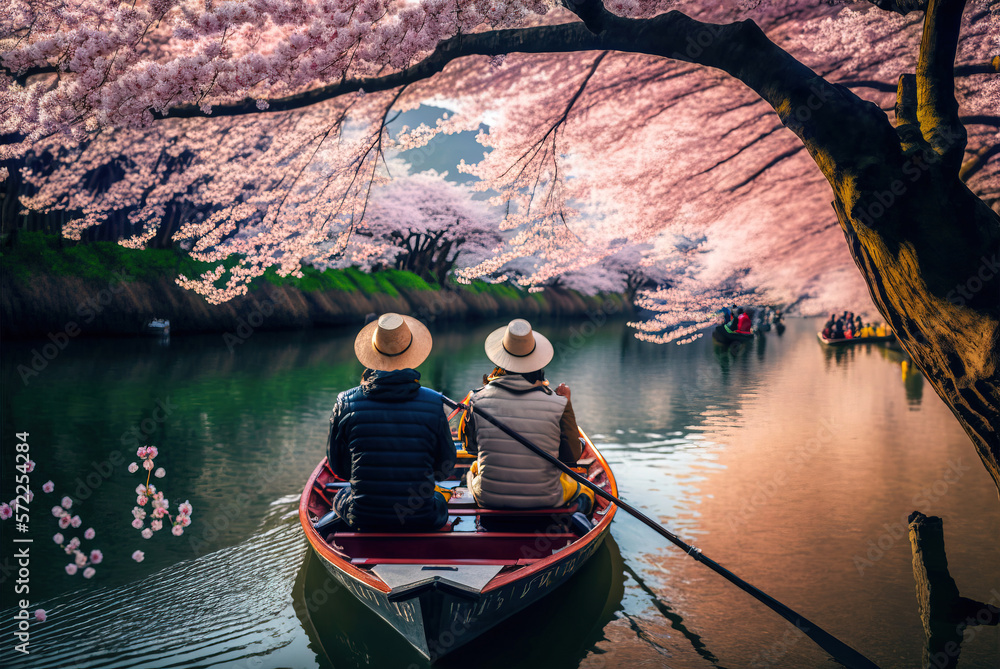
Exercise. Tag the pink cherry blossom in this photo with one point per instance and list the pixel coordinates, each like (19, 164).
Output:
(158, 512)
(73, 544)
(177, 530)
(141, 500)
(138, 556)
(147, 465)
(140, 489)
(156, 525)
(152, 452)
(89, 533)
(184, 508)
(147, 533)
(75, 521)
(40, 615)
(184, 520)
(5, 511)
(66, 503)
(80, 559)
(137, 524)
(31, 466)
(160, 472)
(133, 468)
(89, 572)
(58, 511)
(58, 538)
(96, 556)
(48, 486)
(64, 522)
(71, 569)
(138, 513)
(141, 452)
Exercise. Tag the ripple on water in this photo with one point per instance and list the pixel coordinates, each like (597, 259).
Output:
(209, 611)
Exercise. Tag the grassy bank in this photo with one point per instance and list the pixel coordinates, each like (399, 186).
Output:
(101, 288)
(38, 254)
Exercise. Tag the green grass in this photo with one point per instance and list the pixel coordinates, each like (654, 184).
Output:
(407, 280)
(39, 253)
(495, 289)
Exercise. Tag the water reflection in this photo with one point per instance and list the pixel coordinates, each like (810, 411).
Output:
(345, 633)
(725, 447)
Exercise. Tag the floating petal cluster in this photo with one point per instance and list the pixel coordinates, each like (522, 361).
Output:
(83, 561)
(152, 504)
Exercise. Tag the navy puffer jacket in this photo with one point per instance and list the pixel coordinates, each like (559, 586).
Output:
(390, 438)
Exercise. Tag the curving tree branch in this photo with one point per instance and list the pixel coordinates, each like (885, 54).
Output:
(901, 6)
(937, 108)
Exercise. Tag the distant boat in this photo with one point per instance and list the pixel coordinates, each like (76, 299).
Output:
(159, 327)
(724, 336)
(848, 341)
(440, 590)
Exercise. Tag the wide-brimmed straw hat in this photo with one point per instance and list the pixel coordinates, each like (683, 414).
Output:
(517, 348)
(393, 342)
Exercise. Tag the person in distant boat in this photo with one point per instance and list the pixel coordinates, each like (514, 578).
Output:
(838, 329)
(727, 315)
(828, 327)
(388, 436)
(742, 322)
(506, 475)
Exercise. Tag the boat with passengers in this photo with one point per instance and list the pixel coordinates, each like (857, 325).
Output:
(442, 589)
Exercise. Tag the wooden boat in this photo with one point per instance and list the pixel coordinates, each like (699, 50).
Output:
(158, 327)
(724, 336)
(440, 590)
(848, 341)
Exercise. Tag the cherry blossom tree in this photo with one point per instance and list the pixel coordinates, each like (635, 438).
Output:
(423, 224)
(694, 127)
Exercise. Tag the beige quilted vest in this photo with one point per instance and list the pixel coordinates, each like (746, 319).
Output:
(510, 476)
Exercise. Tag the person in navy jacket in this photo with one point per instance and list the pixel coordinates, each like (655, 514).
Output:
(389, 436)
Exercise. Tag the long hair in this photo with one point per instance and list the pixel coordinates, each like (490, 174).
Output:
(530, 377)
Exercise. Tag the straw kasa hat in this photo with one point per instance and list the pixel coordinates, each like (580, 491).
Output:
(393, 342)
(517, 348)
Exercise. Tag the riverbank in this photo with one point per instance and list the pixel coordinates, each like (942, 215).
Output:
(103, 291)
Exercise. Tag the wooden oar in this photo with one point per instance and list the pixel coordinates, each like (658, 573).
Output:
(837, 649)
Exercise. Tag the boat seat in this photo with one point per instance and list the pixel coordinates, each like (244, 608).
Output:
(511, 513)
(496, 547)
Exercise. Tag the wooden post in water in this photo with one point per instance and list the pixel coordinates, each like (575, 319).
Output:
(944, 613)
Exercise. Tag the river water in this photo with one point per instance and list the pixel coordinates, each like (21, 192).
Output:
(792, 465)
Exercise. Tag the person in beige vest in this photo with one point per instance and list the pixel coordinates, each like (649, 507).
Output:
(506, 475)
